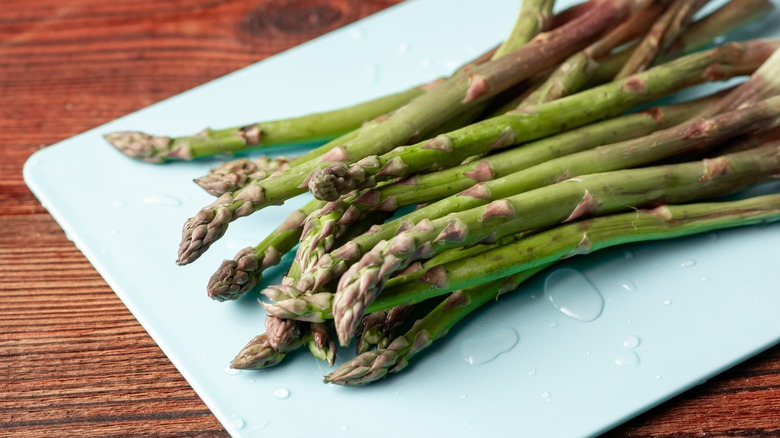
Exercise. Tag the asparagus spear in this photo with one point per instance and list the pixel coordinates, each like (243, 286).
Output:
(258, 353)
(232, 175)
(309, 128)
(239, 275)
(574, 198)
(548, 118)
(378, 328)
(664, 32)
(663, 222)
(449, 98)
(572, 75)
(333, 264)
(438, 185)
(534, 15)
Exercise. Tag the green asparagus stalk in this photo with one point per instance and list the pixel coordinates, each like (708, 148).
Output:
(572, 75)
(574, 198)
(441, 103)
(304, 129)
(548, 118)
(534, 15)
(434, 186)
(539, 251)
(664, 31)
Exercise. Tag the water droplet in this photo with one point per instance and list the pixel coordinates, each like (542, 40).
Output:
(571, 293)
(397, 393)
(345, 427)
(532, 371)
(631, 342)
(478, 350)
(162, 200)
(113, 232)
(667, 302)
(626, 359)
(628, 285)
(356, 34)
(658, 377)
(68, 106)
(403, 48)
(688, 263)
(260, 425)
(464, 396)
(553, 324)
(372, 71)
(628, 255)
(237, 423)
(628, 321)
(118, 204)
(465, 423)
(425, 63)
(705, 279)
(546, 395)
(281, 393)
(719, 39)
(230, 371)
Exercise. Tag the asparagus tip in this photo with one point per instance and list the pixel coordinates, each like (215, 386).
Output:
(329, 183)
(150, 148)
(257, 354)
(365, 368)
(234, 277)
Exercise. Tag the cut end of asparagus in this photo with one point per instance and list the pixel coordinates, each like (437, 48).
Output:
(149, 148)
(329, 183)
(257, 354)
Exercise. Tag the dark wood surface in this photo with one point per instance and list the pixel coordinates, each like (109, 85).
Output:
(73, 361)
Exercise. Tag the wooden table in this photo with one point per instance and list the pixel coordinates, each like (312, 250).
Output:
(73, 360)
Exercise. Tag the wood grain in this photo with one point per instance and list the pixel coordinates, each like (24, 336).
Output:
(73, 360)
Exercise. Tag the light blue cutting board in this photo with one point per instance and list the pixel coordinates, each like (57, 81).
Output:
(665, 316)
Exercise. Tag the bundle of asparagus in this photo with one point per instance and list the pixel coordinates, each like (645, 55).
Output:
(531, 153)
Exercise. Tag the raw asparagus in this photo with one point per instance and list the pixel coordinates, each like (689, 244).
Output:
(449, 98)
(438, 185)
(663, 222)
(310, 128)
(574, 198)
(548, 118)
